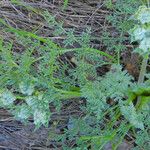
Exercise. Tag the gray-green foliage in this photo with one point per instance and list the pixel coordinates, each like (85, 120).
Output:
(113, 85)
(141, 32)
(119, 19)
(37, 77)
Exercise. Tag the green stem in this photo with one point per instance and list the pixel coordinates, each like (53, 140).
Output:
(92, 50)
(118, 56)
(65, 4)
(142, 74)
(141, 91)
(143, 70)
(148, 3)
(144, 101)
(114, 147)
(20, 97)
(68, 94)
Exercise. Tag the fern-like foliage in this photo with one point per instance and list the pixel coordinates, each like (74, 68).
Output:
(113, 85)
(37, 77)
(119, 19)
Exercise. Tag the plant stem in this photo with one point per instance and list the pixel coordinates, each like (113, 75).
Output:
(65, 4)
(148, 3)
(143, 70)
(142, 74)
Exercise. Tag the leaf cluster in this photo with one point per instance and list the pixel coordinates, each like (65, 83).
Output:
(37, 77)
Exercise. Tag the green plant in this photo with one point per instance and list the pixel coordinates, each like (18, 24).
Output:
(65, 4)
(115, 40)
(35, 78)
